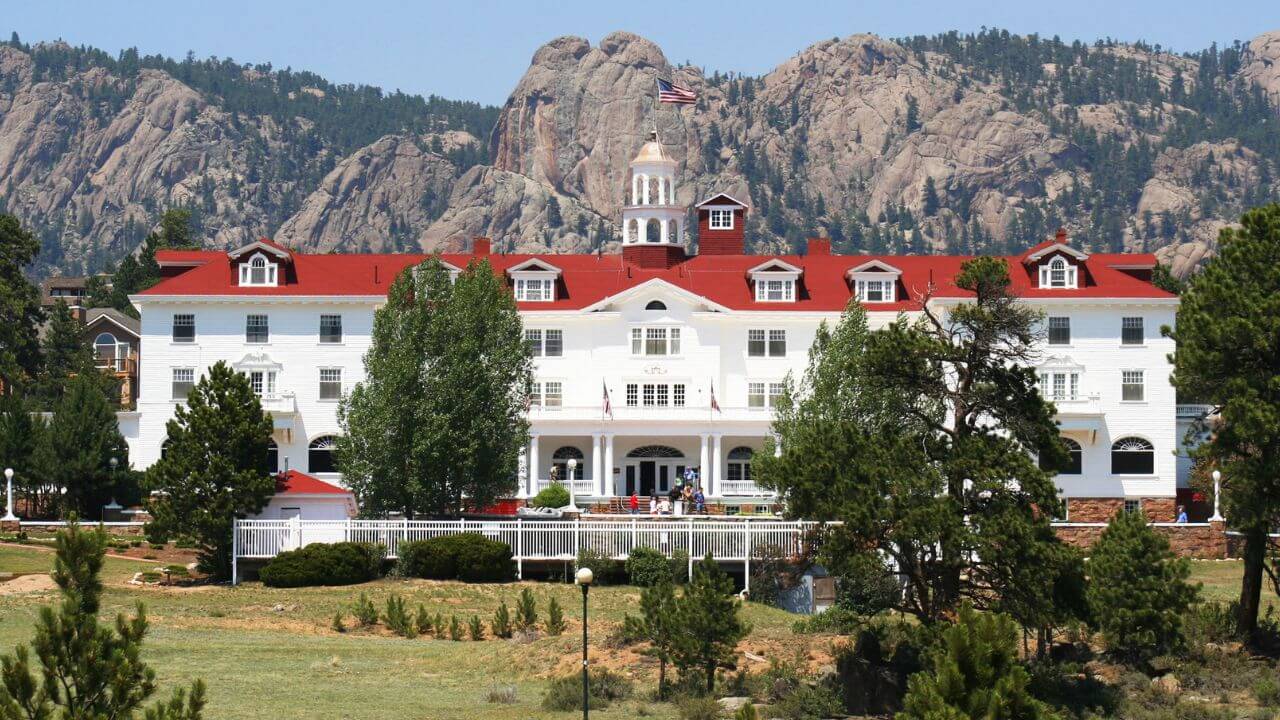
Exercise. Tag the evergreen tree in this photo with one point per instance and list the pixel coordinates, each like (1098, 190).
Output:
(975, 675)
(1138, 589)
(913, 114)
(22, 433)
(439, 422)
(930, 203)
(1227, 334)
(135, 274)
(708, 623)
(656, 626)
(214, 468)
(553, 212)
(19, 305)
(86, 670)
(66, 354)
(84, 435)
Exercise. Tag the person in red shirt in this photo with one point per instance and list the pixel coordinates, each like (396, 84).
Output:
(634, 503)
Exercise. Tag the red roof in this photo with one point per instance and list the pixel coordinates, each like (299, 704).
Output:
(292, 482)
(722, 279)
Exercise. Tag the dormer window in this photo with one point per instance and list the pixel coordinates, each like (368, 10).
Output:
(875, 291)
(775, 281)
(535, 289)
(1058, 273)
(721, 219)
(775, 290)
(874, 281)
(258, 272)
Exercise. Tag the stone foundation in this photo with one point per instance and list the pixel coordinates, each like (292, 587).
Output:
(1091, 510)
(1201, 541)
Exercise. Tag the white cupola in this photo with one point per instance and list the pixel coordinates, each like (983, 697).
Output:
(652, 217)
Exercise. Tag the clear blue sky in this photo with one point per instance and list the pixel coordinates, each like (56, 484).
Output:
(478, 49)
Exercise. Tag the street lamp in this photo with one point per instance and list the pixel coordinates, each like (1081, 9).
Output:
(1217, 497)
(113, 505)
(8, 480)
(585, 577)
(572, 465)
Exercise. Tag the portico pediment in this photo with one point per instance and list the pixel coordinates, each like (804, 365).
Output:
(651, 289)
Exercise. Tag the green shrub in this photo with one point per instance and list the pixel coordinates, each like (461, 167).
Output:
(698, 708)
(336, 625)
(606, 570)
(398, 619)
(475, 628)
(501, 625)
(603, 687)
(647, 567)
(808, 702)
(867, 587)
(552, 496)
(1210, 622)
(324, 564)
(423, 620)
(365, 611)
(746, 712)
(1138, 589)
(836, 620)
(526, 611)
(1267, 692)
(455, 629)
(469, 557)
(555, 618)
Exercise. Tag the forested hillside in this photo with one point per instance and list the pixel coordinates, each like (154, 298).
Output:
(958, 143)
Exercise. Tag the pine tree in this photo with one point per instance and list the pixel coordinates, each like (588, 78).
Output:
(553, 212)
(1138, 589)
(975, 674)
(84, 436)
(22, 433)
(1228, 329)
(66, 353)
(19, 306)
(87, 670)
(709, 622)
(930, 202)
(555, 618)
(656, 626)
(913, 114)
(215, 465)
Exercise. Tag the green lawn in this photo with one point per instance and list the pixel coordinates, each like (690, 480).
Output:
(262, 662)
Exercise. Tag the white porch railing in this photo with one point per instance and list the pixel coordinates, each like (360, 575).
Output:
(743, 488)
(534, 540)
(577, 487)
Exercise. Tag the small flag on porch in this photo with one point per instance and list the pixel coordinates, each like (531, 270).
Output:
(714, 405)
(669, 92)
(608, 406)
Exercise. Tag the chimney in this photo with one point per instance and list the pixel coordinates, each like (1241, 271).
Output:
(481, 245)
(818, 246)
(1061, 237)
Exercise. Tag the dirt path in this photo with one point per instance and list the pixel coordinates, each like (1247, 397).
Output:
(38, 582)
(49, 549)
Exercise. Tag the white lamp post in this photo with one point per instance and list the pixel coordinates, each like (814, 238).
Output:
(8, 480)
(113, 505)
(585, 578)
(572, 465)
(1217, 497)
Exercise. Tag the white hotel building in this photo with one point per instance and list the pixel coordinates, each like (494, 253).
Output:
(691, 348)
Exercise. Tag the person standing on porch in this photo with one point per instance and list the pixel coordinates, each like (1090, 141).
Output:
(653, 504)
(687, 496)
(633, 503)
(675, 497)
(699, 502)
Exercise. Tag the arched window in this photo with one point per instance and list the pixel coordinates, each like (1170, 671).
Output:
(1133, 456)
(1074, 464)
(164, 448)
(1058, 273)
(105, 345)
(655, 451)
(652, 231)
(656, 305)
(320, 455)
(258, 271)
(739, 467)
(560, 461)
(273, 457)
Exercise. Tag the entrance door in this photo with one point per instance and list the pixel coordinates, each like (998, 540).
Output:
(664, 478)
(647, 473)
(631, 479)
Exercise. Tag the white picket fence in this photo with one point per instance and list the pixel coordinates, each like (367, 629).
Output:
(534, 540)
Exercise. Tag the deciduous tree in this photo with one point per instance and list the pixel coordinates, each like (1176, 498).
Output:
(1228, 354)
(214, 468)
(439, 421)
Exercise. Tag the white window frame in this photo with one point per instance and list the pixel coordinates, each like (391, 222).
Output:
(1133, 322)
(886, 288)
(538, 341)
(649, 394)
(546, 394)
(189, 379)
(640, 337)
(1060, 384)
(188, 320)
(1058, 274)
(763, 394)
(266, 325)
(1049, 328)
(258, 271)
(766, 339)
(323, 341)
(725, 217)
(535, 287)
(1133, 378)
(331, 381)
(775, 289)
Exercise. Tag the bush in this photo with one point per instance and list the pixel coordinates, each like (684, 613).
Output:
(810, 703)
(324, 564)
(336, 625)
(502, 695)
(555, 618)
(867, 587)
(552, 496)
(475, 628)
(526, 611)
(365, 611)
(647, 567)
(469, 557)
(423, 621)
(835, 620)
(455, 629)
(1210, 622)
(501, 625)
(1138, 590)
(398, 618)
(1267, 692)
(604, 687)
(698, 708)
(607, 571)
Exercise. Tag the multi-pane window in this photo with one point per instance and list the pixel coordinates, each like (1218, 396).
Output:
(1075, 459)
(775, 290)
(655, 394)
(330, 383)
(263, 382)
(874, 291)
(763, 394)
(655, 341)
(183, 380)
(1057, 273)
(1132, 387)
(331, 329)
(1131, 332)
(766, 343)
(184, 328)
(258, 272)
(1059, 331)
(1060, 385)
(1132, 506)
(535, 289)
(544, 343)
(721, 220)
(546, 394)
(255, 329)
(1133, 456)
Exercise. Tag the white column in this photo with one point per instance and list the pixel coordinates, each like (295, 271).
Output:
(717, 462)
(595, 457)
(635, 189)
(533, 464)
(645, 196)
(662, 191)
(606, 480)
(704, 465)
(522, 472)
(663, 224)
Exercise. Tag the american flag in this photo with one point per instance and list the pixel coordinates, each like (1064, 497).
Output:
(608, 406)
(714, 405)
(669, 92)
